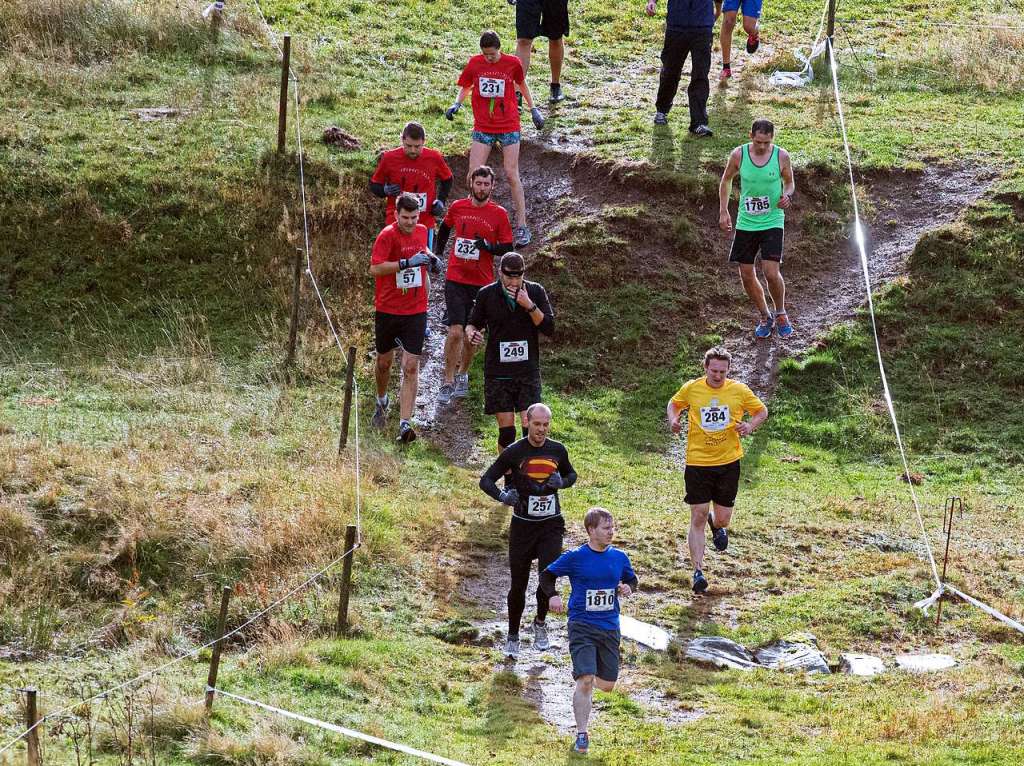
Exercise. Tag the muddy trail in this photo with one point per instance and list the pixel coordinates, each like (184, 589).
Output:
(824, 285)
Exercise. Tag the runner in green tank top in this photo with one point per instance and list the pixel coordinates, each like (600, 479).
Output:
(766, 191)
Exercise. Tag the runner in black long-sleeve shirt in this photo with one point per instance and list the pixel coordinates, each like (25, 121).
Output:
(538, 468)
(513, 312)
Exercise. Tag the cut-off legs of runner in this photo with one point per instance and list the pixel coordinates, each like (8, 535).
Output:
(776, 287)
(410, 380)
(479, 154)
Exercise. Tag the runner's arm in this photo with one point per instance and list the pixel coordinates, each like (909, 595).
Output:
(747, 427)
(444, 188)
(441, 240)
(567, 472)
(488, 482)
(788, 179)
(547, 584)
(674, 413)
(732, 167)
(543, 316)
(377, 189)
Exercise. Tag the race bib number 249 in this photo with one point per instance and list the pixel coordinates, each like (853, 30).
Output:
(514, 351)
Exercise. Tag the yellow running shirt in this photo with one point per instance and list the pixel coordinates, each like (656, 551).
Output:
(714, 413)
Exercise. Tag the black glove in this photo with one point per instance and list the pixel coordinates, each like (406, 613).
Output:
(555, 481)
(420, 259)
(437, 209)
(483, 244)
(538, 118)
(435, 265)
(450, 111)
(509, 497)
(392, 190)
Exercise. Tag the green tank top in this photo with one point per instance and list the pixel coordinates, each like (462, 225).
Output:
(760, 190)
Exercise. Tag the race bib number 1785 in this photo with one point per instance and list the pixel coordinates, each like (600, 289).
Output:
(757, 205)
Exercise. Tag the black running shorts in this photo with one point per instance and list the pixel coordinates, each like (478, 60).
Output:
(511, 394)
(542, 18)
(458, 302)
(746, 244)
(594, 651)
(406, 330)
(716, 484)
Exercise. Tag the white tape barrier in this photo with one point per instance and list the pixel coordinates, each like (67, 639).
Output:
(805, 75)
(924, 604)
(341, 730)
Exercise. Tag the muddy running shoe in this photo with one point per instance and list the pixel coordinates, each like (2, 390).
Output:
(660, 118)
(405, 432)
(753, 42)
(540, 637)
(461, 386)
(556, 93)
(523, 236)
(700, 582)
(702, 131)
(783, 327)
(764, 328)
(719, 536)
(725, 74)
(512, 647)
(380, 415)
(582, 744)
(445, 393)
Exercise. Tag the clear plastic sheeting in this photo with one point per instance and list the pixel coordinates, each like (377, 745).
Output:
(861, 664)
(720, 652)
(644, 633)
(805, 75)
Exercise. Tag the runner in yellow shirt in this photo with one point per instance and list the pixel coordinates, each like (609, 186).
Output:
(716, 406)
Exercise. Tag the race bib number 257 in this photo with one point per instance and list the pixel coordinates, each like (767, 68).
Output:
(541, 505)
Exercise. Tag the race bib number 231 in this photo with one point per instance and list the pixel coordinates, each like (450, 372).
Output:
(491, 87)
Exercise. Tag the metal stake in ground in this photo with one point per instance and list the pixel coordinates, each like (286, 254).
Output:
(222, 619)
(31, 718)
(953, 504)
(346, 410)
(282, 108)
(346, 578)
(831, 26)
(293, 327)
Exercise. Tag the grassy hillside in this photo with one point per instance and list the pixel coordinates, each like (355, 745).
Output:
(150, 452)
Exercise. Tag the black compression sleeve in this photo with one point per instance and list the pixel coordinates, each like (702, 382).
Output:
(444, 188)
(547, 583)
(441, 240)
(633, 582)
(501, 248)
(377, 190)
(488, 482)
(546, 327)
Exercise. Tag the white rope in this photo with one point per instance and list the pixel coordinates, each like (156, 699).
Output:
(858, 232)
(341, 730)
(985, 608)
(805, 75)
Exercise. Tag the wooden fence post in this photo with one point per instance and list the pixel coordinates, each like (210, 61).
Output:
(293, 328)
(282, 109)
(346, 409)
(222, 619)
(346, 580)
(31, 718)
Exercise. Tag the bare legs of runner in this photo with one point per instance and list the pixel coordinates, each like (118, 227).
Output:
(583, 698)
(478, 154)
(776, 286)
(410, 380)
(695, 538)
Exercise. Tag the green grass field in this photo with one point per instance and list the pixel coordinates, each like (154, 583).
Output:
(151, 452)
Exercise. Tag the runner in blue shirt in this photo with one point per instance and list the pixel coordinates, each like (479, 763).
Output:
(600, 575)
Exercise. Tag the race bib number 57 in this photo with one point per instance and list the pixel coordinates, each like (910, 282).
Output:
(491, 87)
(757, 205)
(714, 418)
(411, 277)
(600, 599)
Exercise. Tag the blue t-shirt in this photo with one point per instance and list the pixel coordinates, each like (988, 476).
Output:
(595, 578)
(688, 14)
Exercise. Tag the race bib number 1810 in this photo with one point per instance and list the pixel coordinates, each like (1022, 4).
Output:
(600, 599)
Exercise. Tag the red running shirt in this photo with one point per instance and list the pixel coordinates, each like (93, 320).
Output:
(418, 176)
(466, 264)
(405, 292)
(494, 93)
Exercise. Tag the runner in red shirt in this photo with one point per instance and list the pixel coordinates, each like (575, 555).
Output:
(492, 78)
(400, 298)
(415, 169)
(482, 231)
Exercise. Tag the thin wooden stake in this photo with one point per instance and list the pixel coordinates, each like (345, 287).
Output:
(222, 620)
(346, 580)
(31, 718)
(293, 328)
(831, 28)
(282, 109)
(952, 504)
(346, 409)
